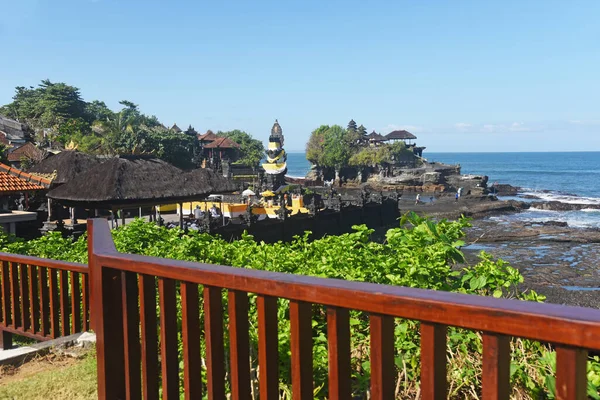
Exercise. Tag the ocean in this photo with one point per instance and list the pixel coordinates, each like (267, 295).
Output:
(572, 177)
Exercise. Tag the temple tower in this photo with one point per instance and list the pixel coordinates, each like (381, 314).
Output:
(276, 166)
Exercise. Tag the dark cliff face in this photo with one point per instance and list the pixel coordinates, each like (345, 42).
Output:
(427, 177)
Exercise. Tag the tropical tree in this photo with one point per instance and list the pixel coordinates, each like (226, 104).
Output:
(98, 111)
(332, 147)
(315, 146)
(251, 150)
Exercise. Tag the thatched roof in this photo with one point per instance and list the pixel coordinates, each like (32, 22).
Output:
(206, 181)
(375, 137)
(401, 135)
(67, 164)
(136, 181)
(222, 143)
(176, 129)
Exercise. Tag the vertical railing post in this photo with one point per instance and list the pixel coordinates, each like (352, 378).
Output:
(107, 311)
(571, 378)
(5, 340)
(433, 361)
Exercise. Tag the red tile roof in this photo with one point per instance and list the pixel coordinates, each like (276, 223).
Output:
(14, 180)
(222, 143)
(28, 150)
(208, 137)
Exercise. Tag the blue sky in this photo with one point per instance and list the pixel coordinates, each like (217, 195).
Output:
(461, 75)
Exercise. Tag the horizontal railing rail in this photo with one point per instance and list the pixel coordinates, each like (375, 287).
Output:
(42, 299)
(122, 281)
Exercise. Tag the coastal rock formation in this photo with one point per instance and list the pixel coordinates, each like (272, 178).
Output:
(430, 177)
(559, 206)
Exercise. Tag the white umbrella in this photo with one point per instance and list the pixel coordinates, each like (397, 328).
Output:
(248, 192)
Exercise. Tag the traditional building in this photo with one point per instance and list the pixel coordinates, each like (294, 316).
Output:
(407, 138)
(17, 185)
(374, 138)
(13, 133)
(276, 165)
(27, 153)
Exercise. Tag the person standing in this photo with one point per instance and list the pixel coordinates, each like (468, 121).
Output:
(456, 196)
(418, 198)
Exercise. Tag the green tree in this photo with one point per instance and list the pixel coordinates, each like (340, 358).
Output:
(47, 106)
(251, 150)
(316, 144)
(98, 111)
(339, 145)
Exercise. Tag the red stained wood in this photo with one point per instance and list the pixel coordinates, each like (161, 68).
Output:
(34, 298)
(150, 368)
(131, 333)
(75, 303)
(239, 345)
(65, 311)
(383, 370)
(567, 327)
(168, 338)
(25, 299)
(85, 301)
(571, 379)
(5, 340)
(26, 303)
(190, 332)
(54, 304)
(213, 336)
(496, 367)
(5, 300)
(44, 301)
(338, 339)
(268, 349)
(433, 361)
(302, 350)
(44, 262)
(107, 309)
(574, 326)
(14, 296)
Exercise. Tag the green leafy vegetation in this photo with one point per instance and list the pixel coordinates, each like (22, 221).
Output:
(335, 147)
(59, 117)
(419, 253)
(251, 150)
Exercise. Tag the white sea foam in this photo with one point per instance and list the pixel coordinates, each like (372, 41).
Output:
(575, 219)
(562, 197)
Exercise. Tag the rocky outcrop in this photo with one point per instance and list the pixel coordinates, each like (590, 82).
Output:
(559, 206)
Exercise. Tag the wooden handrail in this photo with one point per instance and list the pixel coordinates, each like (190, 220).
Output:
(45, 262)
(41, 298)
(573, 330)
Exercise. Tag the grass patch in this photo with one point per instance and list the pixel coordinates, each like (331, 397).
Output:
(52, 376)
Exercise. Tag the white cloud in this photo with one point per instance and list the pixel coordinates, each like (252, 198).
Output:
(584, 122)
(519, 127)
(491, 128)
(462, 126)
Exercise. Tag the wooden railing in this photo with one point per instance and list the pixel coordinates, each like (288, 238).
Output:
(129, 345)
(41, 299)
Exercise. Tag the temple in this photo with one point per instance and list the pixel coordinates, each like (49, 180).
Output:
(276, 166)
